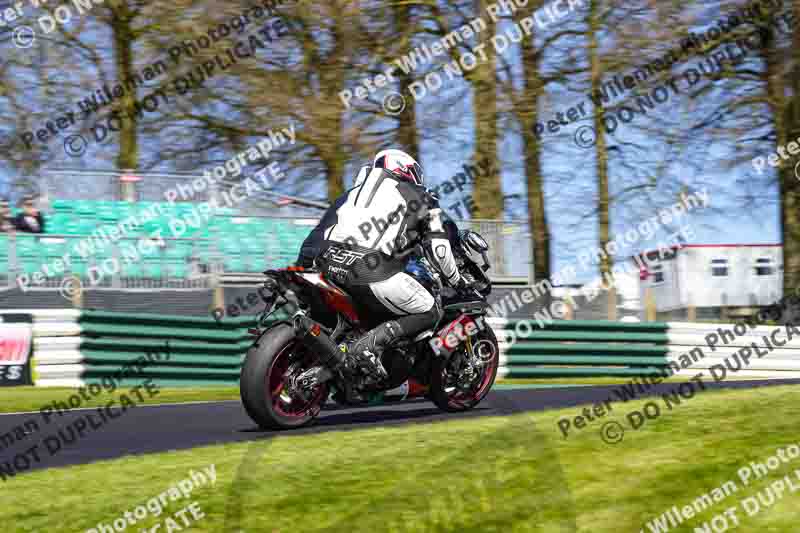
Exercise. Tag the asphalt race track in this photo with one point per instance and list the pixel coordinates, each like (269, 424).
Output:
(159, 428)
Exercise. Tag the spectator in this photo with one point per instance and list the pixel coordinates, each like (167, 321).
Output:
(30, 219)
(6, 224)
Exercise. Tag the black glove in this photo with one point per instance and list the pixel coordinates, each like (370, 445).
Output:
(457, 292)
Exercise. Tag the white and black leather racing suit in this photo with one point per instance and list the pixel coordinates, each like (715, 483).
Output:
(362, 245)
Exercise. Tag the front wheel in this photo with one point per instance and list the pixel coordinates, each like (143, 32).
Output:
(461, 382)
(267, 384)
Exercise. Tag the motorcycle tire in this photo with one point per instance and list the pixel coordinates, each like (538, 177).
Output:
(447, 401)
(259, 370)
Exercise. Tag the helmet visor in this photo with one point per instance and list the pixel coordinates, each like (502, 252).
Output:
(416, 172)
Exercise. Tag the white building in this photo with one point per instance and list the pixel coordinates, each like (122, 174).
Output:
(712, 275)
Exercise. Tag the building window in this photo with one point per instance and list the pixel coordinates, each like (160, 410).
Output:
(764, 266)
(719, 268)
(658, 273)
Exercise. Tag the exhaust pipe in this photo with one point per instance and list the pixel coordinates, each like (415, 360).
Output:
(310, 332)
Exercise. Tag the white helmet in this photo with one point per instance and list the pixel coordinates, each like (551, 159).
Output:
(401, 165)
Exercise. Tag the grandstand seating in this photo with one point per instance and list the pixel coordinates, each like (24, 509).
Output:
(239, 243)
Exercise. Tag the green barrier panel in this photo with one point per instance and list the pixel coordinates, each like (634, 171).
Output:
(164, 332)
(658, 338)
(94, 359)
(585, 360)
(584, 325)
(227, 323)
(202, 351)
(163, 371)
(161, 320)
(159, 346)
(529, 348)
(596, 348)
(171, 382)
(533, 372)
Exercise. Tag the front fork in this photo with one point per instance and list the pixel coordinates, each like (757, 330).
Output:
(470, 362)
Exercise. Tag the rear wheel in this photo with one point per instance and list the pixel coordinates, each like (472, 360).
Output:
(460, 383)
(267, 384)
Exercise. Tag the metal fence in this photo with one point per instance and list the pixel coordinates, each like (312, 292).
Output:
(510, 242)
(124, 264)
(190, 263)
(115, 185)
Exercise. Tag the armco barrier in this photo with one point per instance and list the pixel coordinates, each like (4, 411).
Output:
(72, 348)
(570, 348)
(780, 362)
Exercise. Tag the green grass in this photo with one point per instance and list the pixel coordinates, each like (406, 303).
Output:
(482, 474)
(21, 399)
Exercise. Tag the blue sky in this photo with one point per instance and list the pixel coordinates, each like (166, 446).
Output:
(744, 205)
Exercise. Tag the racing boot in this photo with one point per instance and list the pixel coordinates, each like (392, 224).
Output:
(368, 349)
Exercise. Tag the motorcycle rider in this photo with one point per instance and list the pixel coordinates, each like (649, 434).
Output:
(362, 245)
(312, 245)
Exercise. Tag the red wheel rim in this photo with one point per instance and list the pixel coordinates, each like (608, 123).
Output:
(283, 404)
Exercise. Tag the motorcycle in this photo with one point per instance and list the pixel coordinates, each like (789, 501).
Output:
(287, 376)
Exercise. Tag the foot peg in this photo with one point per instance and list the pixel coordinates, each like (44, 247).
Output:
(370, 347)
(366, 361)
(313, 377)
(372, 364)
